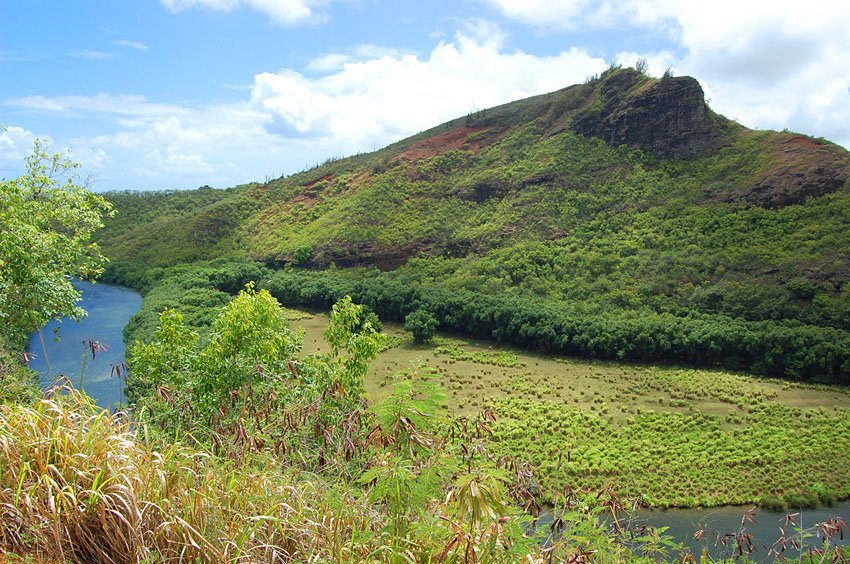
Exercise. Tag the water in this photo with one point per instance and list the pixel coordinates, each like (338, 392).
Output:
(109, 308)
(765, 529)
(717, 522)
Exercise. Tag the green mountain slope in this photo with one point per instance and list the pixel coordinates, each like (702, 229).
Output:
(619, 199)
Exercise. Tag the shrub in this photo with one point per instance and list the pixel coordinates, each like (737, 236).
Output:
(773, 503)
(421, 324)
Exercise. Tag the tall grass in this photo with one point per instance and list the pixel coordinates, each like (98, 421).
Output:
(80, 484)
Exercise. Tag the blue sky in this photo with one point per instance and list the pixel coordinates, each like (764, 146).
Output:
(156, 94)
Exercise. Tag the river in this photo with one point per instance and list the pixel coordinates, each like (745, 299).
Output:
(720, 527)
(764, 528)
(109, 308)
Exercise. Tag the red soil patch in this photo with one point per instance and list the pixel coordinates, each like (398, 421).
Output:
(309, 197)
(312, 183)
(448, 141)
(799, 148)
(309, 200)
(803, 141)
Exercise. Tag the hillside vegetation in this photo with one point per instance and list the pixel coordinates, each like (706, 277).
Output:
(620, 218)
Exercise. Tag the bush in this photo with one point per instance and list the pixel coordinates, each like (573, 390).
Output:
(825, 494)
(302, 255)
(421, 324)
(773, 503)
(807, 500)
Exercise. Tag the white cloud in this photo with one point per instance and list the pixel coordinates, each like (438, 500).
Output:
(237, 87)
(484, 32)
(90, 54)
(329, 63)
(365, 104)
(155, 145)
(767, 63)
(283, 12)
(543, 12)
(333, 62)
(6, 56)
(77, 106)
(137, 45)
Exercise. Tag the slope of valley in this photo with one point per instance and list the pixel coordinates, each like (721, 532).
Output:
(621, 218)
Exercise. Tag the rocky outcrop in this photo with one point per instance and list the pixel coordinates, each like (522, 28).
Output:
(668, 117)
(787, 185)
(801, 168)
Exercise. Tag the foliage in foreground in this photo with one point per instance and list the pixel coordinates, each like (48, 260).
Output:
(79, 484)
(17, 383)
(47, 219)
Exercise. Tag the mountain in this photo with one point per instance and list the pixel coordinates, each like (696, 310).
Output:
(625, 197)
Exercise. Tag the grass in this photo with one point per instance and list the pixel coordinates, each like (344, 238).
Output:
(678, 436)
(78, 484)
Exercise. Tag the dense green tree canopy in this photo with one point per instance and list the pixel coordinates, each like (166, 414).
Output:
(47, 217)
(421, 324)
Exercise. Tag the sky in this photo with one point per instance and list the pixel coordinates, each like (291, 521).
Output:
(175, 94)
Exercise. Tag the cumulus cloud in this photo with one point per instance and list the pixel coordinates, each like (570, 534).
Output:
(767, 63)
(364, 104)
(282, 12)
(155, 145)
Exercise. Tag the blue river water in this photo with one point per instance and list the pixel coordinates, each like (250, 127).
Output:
(63, 349)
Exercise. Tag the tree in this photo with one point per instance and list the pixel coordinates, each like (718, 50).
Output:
(47, 218)
(302, 255)
(421, 324)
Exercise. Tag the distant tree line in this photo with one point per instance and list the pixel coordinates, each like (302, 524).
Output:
(778, 348)
(783, 348)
